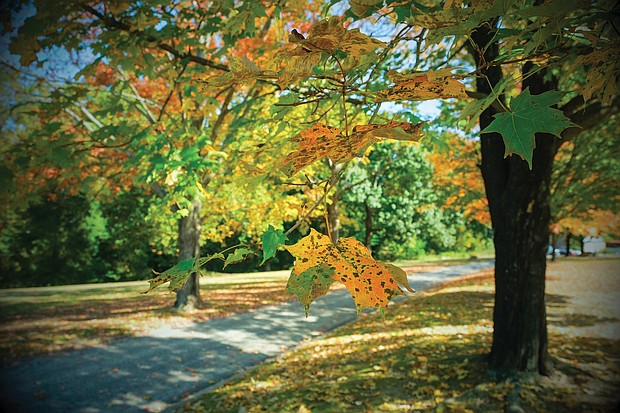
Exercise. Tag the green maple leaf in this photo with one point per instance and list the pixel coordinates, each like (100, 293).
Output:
(237, 256)
(528, 115)
(179, 274)
(271, 240)
(311, 284)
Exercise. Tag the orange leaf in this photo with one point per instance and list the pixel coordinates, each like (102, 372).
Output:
(434, 84)
(371, 283)
(403, 131)
(320, 141)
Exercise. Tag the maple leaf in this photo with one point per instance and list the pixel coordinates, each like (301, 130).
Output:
(299, 65)
(602, 74)
(316, 242)
(311, 284)
(434, 84)
(328, 36)
(320, 141)
(237, 256)
(360, 7)
(242, 70)
(528, 115)
(178, 274)
(371, 283)
(271, 240)
(402, 131)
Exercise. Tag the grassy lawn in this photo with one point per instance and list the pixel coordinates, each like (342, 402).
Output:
(44, 320)
(427, 354)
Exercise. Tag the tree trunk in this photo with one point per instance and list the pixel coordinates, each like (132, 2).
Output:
(333, 220)
(519, 203)
(368, 227)
(188, 297)
(568, 236)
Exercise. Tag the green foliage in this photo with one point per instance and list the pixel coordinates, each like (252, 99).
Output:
(71, 240)
(390, 201)
(271, 240)
(529, 115)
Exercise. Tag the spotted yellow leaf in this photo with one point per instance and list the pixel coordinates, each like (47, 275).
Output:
(371, 283)
(402, 131)
(320, 141)
(437, 84)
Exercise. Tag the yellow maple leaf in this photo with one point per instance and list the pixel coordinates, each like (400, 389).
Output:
(327, 35)
(359, 7)
(603, 71)
(371, 283)
(403, 131)
(242, 70)
(320, 141)
(434, 84)
(298, 64)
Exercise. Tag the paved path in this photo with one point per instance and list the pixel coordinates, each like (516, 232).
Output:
(150, 373)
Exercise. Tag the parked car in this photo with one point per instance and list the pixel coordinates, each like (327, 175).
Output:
(562, 251)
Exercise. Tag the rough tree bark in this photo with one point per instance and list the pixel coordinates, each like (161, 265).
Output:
(519, 203)
(188, 298)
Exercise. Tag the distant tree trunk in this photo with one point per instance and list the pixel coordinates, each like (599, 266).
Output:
(581, 244)
(519, 203)
(568, 237)
(368, 226)
(333, 219)
(554, 240)
(188, 297)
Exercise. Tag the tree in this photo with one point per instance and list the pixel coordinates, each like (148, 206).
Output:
(146, 61)
(390, 202)
(519, 202)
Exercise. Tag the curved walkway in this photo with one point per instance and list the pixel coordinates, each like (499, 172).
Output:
(151, 373)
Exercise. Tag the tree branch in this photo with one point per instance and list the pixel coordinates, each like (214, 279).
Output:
(112, 23)
(588, 117)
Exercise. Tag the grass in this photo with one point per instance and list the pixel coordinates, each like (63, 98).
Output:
(45, 320)
(428, 354)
